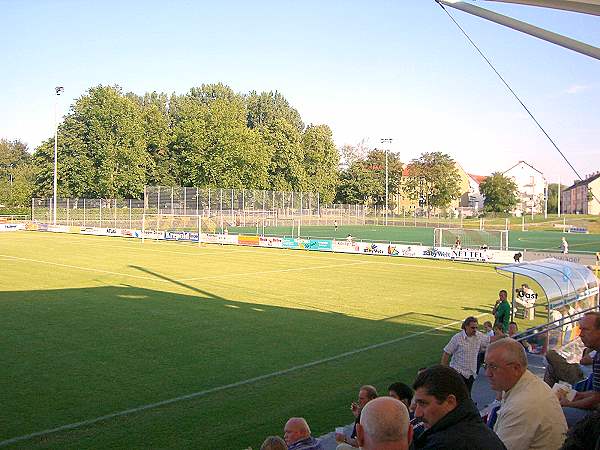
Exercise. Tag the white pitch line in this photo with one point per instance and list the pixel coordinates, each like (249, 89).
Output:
(206, 392)
(228, 275)
(294, 269)
(89, 269)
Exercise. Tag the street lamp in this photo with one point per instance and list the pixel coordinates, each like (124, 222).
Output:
(386, 141)
(59, 90)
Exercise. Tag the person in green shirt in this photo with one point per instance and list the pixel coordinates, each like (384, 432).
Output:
(502, 310)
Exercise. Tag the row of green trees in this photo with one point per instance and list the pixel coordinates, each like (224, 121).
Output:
(112, 144)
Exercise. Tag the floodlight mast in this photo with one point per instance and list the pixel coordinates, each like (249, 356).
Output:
(59, 90)
(387, 141)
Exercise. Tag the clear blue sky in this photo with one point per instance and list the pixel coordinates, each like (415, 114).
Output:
(369, 69)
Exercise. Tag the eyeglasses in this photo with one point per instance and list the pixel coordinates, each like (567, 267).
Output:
(494, 367)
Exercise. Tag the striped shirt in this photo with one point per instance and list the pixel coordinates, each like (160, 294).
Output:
(596, 373)
(464, 350)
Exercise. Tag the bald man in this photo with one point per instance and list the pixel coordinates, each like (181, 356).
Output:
(384, 425)
(530, 416)
(297, 435)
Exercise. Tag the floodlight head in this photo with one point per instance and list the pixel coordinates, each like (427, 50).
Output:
(59, 90)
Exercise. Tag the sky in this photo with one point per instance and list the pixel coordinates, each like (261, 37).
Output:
(369, 69)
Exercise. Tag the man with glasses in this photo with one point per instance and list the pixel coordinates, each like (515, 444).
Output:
(530, 416)
(463, 348)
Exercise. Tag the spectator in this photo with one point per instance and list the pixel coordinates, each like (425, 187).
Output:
(402, 392)
(585, 402)
(498, 331)
(501, 310)
(530, 416)
(384, 425)
(451, 419)
(365, 394)
(464, 348)
(564, 245)
(559, 369)
(585, 435)
(488, 328)
(489, 332)
(297, 435)
(273, 443)
(513, 329)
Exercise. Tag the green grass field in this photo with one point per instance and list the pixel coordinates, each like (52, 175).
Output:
(92, 326)
(518, 240)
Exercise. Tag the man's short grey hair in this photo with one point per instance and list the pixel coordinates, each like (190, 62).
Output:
(385, 419)
(301, 424)
(514, 352)
(370, 390)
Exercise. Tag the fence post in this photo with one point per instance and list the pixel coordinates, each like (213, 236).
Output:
(100, 213)
(130, 214)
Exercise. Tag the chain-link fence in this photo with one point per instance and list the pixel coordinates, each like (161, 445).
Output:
(247, 207)
(90, 212)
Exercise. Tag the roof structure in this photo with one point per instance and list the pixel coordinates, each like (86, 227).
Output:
(526, 163)
(563, 282)
(591, 7)
(588, 180)
(477, 178)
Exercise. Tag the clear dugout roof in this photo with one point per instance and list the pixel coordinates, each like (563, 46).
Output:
(563, 282)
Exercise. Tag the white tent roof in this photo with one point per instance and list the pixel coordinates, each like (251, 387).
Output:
(563, 282)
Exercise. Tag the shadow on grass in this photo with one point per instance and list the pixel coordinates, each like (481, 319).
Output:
(77, 354)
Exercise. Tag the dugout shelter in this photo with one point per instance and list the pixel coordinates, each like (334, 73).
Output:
(570, 289)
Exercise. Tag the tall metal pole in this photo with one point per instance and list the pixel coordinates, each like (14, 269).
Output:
(386, 142)
(59, 90)
(558, 195)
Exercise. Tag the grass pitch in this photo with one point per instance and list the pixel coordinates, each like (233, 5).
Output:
(92, 326)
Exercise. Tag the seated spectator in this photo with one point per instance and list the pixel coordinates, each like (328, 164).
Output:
(559, 369)
(365, 394)
(513, 329)
(530, 416)
(273, 443)
(489, 332)
(297, 435)
(585, 402)
(585, 435)
(384, 425)
(451, 419)
(498, 331)
(402, 392)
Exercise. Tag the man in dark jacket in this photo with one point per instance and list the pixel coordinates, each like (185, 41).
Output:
(451, 419)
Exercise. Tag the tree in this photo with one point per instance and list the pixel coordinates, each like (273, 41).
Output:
(266, 108)
(280, 127)
(321, 160)
(16, 173)
(553, 197)
(157, 130)
(102, 148)
(286, 172)
(213, 144)
(364, 181)
(433, 180)
(500, 193)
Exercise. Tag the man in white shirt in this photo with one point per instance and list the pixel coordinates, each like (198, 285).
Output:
(463, 348)
(530, 415)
